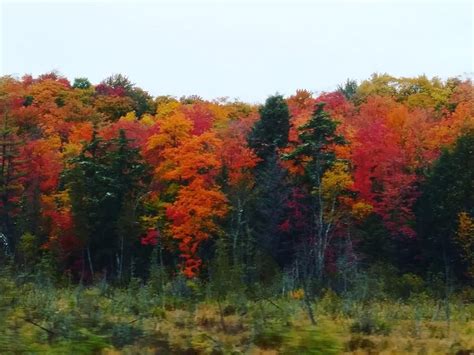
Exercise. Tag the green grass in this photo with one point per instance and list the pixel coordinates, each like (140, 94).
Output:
(41, 318)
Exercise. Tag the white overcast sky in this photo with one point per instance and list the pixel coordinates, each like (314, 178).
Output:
(240, 49)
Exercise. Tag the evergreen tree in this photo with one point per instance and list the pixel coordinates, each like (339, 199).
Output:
(349, 89)
(271, 131)
(268, 135)
(105, 183)
(447, 192)
(316, 154)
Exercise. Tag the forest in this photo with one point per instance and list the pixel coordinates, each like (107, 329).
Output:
(318, 223)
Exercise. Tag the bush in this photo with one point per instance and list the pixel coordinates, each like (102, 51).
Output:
(270, 335)
(330, 303)
(358, 342)
(369, 324)
(311, 340)
(124, 334)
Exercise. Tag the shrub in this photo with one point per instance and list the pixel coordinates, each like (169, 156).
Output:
(369, 324)
(270, 335)
(358, 342)
(124, 334)
(311, 340)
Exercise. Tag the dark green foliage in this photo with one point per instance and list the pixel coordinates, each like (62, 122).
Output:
(270, 335)
(28, 100)
(105, 183)
(447, 191)
(142, 101)
(271, 193)
(124, 334)
(267, 208)
(316, 153)
(349, 89)
(318, 138)
(271, 131)
(224, 277)
(118, 81)
(81, 83)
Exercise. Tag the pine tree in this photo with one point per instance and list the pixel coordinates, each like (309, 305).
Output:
(105, 184)
(316, 154)
(269, 134)
(447, 192)
(271, 131)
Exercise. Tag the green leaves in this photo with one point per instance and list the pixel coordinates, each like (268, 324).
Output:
(104, 183)
(271, 131)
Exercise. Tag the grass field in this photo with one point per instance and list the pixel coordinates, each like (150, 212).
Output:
(183, 319)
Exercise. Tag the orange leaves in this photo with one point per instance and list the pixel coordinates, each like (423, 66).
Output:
(193, 216)
(197, 156)
(193, 162)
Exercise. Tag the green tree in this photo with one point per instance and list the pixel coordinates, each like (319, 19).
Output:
(271, 131)
(81, 83)
(316, 154)
(106, 182)
(349, 89)
(447, 192)
(270, 192)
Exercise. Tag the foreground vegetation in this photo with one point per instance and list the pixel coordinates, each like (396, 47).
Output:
(38, 314)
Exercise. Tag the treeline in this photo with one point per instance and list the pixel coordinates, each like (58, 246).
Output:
(107, 182)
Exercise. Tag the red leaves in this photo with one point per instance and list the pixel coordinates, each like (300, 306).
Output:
(150, 238)
(44, 164)
(193, 145)
(104, 89)
(383, 175)
(236, 157)
(201, 117)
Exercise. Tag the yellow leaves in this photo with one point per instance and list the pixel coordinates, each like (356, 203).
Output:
(147, 120)
(148, 221)
(167, 109)
(221, 114)
(466, 228)
(361, 210)
(58, 201)
(465, 239)
(173, 130)
(129, 117)
(336, 180)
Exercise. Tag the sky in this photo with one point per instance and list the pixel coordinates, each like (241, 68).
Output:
(243, 50)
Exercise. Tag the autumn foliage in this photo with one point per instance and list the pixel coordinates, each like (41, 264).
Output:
(208, 164)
